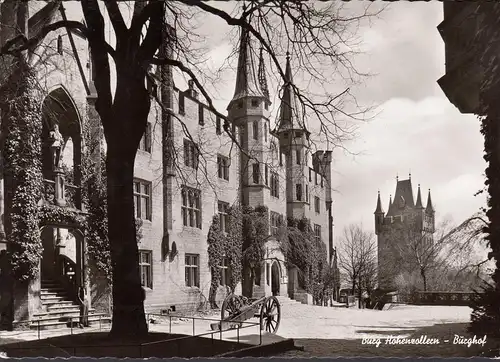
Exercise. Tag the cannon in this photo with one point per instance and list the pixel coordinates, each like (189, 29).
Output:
(236, 309)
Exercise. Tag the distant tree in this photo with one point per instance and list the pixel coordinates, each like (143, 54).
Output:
(357, 259)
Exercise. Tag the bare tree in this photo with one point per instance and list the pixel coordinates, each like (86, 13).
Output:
(357, 259)
(316, 33)
(447, 253)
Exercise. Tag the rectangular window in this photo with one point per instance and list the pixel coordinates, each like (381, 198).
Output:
(310, 175)
(298, 192)
(255, 173)
(223, 167)
(181, 103)
(201, 116)
(265, 131)
(317, 232)
(315, 178)
(316, 204)
(275, 222)
(142, 199)
(307, 193)
(191, 207)
(223, 216)
(191, 154)
(274, 185)
(145, 261)
(255, 130)
(266, 175)
(268, 273)
(192, 263)
(145, 144)
(322, 181)
(225, 275)
(218, 125)
(297, 154)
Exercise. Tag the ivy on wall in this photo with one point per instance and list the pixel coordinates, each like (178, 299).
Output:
(255, 234)
(22, 125)
(225, 245)
(244, 244)
(306, 253)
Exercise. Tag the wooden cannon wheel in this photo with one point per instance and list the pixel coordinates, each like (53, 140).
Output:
(270, 315)
(230, 307)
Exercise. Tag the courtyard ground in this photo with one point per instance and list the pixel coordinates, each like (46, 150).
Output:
(338, 332)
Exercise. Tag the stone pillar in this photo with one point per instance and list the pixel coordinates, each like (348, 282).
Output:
(59, 187)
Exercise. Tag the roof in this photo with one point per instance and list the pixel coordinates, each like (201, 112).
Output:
(403, 198)
(290, 115)
(247, 83)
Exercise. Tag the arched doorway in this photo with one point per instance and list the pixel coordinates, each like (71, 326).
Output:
(63, 257)
(275, 278)
(61, 158)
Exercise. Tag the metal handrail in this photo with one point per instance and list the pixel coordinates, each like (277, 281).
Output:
(141, 345)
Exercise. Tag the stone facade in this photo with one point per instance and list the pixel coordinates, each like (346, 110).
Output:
(178, 193)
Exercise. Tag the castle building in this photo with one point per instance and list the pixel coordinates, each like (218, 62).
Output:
(175, 197)
(404, 215)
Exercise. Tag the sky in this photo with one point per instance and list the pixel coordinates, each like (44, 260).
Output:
(415, 128)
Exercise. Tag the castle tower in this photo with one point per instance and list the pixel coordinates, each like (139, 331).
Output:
(294, 143)
(248, 110)
(403, 213)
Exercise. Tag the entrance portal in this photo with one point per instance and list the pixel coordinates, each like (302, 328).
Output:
(48, 255)
(275, 279)
(62, 257)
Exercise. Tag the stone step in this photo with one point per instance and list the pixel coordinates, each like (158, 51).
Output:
(53, 299)
(63, 308)
(66, 313)
(60, 302)
(48, 285)
(93, 322)
(54, 291)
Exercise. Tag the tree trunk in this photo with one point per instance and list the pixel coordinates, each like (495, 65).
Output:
(128, 295)
(424, 279)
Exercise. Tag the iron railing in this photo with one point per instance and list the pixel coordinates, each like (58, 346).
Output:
(70, 321)
(142, 346)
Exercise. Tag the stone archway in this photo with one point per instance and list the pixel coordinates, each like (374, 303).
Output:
(275, 278)
(61, 120)
(63, 257)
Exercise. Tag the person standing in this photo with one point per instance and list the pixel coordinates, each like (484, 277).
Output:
(84, 307)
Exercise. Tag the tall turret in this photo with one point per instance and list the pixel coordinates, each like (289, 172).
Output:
(294, 143)
(248, 110)
(430, 220)
(379, 215)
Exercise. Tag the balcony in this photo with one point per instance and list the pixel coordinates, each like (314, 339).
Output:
(58, 192)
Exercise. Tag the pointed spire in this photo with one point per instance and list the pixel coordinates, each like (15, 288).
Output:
(262, 75)
(247, 84)
(289, 116)
(419, 204)
(429, 207)
(379, 209)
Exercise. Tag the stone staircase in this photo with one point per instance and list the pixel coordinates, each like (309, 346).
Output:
(59, 311)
